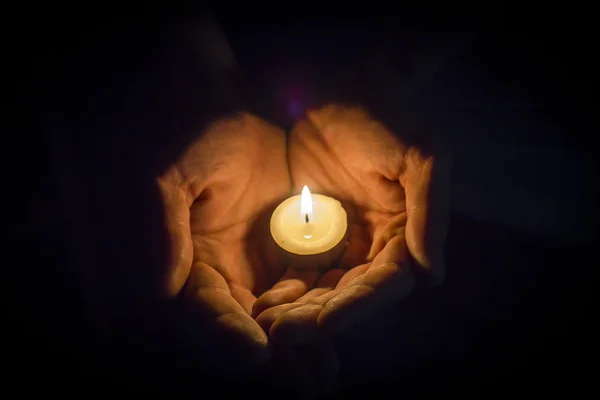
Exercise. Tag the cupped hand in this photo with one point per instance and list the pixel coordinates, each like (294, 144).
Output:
(397, 199)
(218, 197)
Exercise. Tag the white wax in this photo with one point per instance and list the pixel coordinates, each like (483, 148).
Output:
(326, 226)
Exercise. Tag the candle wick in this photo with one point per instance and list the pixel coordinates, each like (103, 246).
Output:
(306, 218)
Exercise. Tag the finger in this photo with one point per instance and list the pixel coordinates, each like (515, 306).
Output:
(358, 246)
(177, 224)
(266, 319)
(386, 231)
(290, 287)
(327, 282)
(243, 296)
(299, 324)
(210, 299)
(386, 281)
(352, 274)
(426, 181)
(304, 322)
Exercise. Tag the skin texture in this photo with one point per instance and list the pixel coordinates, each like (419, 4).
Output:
(218, 197)
(396, 197)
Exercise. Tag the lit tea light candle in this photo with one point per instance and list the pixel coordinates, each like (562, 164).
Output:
(310, 229)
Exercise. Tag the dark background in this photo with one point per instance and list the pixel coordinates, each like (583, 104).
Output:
(108, 110)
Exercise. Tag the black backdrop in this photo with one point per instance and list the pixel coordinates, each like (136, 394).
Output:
(511, 315)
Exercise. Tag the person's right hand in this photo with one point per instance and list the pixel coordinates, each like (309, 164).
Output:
(396, 195)
(218, 197)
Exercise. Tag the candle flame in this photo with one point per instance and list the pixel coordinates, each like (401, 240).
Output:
(306, 208)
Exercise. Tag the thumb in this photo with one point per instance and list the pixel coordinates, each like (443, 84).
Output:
(179, 238)
(426, 181)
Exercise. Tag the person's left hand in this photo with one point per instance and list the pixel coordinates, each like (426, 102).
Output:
(217, 199)
(396, 197)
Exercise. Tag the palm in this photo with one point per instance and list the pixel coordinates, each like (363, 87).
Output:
(344, 153)
(229, 218)
(227, 182)
(353, 159)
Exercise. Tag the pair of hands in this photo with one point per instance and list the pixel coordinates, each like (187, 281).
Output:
(219, 196)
